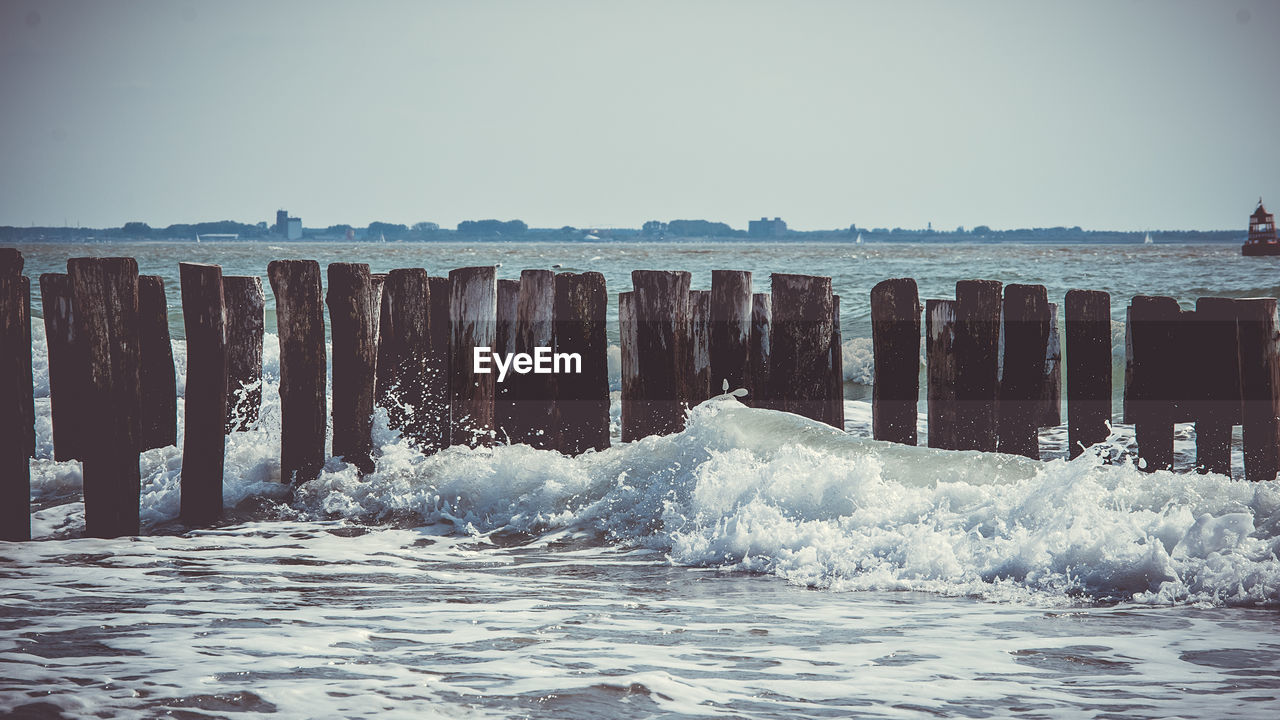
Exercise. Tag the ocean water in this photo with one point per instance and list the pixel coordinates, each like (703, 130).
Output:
(755, 565)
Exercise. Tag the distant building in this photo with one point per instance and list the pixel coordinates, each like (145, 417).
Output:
(290, 228)
(764, 227)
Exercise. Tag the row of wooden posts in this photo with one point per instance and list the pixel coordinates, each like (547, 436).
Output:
(404, 341)
(993, 357)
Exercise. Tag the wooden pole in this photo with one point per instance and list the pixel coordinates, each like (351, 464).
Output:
(700, 350)
(26, 374)
(105, 295)
(1088, 368)
(300, 327)
(977, 342)
(895, 338)
(533, 395)
(436, 431)
(404, 343)
(630, 364)
(730, 330)
(246, 326)
(355, 306)
(1051, 398)
(15, 395)
(473, 311)
(582, 400)
(508, 322)
(68, 367)
(1259, 331)
(1026, 345)
(205, 410)
(662, 319)
(940, 336)
(758, 381)
(1152, 398)
(836, 396)
(801, 328)
(1214, 357)
(156, 373)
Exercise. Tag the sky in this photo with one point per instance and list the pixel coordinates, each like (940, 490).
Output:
(1125, 115)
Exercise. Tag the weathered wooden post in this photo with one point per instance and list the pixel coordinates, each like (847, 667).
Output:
(473, 312)
(355, 306)
(1259, 330)
(977, 340)
(68, 367)
(836, 397)
(940, 356)
(300, 326)
(503, 405)
(801, 337)
(533, 395)
(1152, 399)
(730, 330)
(205, 413)
(630, 363)
(700, 388)
(662, 318)
(758, 381)
(1026, 345)
(1214, 357)
(404, 342)
(1051, 394)
(156, 374)
(582, 400)
(15, 394)
(895, 339)
(26, 374)
(1088, 368)
(246, 326)
(436, 429)
(105, 296)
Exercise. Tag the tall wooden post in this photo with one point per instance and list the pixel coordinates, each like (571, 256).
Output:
(68, 368)
(582, 400)
(1088, 368)
(156, 373)
(895, 337)
(26, 374)
(801, 327)
(1259, 330)
(977, 341)
(630, 362)
(730, 330)
(473, 311)
(15, 394)
(1152, 399)
(1214, 357)
(300, 326)
(534, 394)
(700, 347)
(503, 404)
(662, 383)
(355, 306)
(1051, 394)
(1026, 345)
(436, 429)
(836, 397)
(105, 295)
(758, 380)
(940, 355)
(205, 410)
(404, 343)
(246, 326)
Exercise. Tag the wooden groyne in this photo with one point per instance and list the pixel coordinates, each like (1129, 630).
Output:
(468, 359)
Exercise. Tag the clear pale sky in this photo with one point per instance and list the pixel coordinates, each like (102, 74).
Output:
(1117, 115)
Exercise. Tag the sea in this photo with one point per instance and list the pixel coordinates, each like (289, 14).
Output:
(754, 565)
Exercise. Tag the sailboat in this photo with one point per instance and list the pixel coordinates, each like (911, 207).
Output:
(1148, 240)
(859, 240)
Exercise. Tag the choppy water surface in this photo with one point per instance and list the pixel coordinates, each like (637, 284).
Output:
(755, 564)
